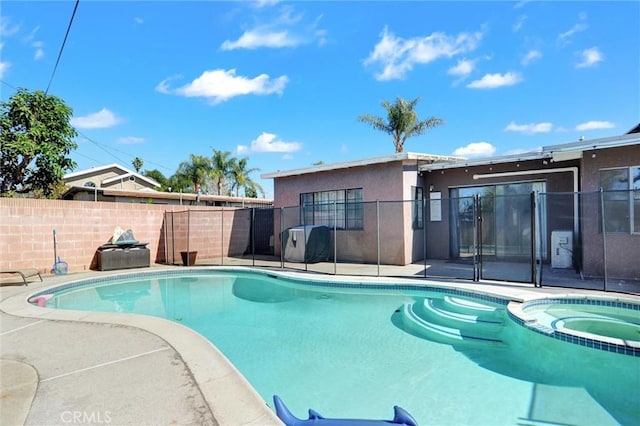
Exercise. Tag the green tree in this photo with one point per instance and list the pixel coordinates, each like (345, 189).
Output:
(221, 169)
(137, 163)
(240, 175)
(402, 121)
(251, 192)
(178, 183)
(195, 171)
(157, 175)
(36, 139)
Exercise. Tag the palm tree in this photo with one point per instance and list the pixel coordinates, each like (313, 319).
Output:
(241, 178)
(195, 170)
(402, 121)
(220, 168)
(137, 163)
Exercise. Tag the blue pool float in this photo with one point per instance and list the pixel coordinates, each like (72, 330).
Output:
(401, 417)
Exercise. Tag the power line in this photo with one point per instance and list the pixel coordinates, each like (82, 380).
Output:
(7, 84)
(62, 47)
(107, 149)
(103, 147)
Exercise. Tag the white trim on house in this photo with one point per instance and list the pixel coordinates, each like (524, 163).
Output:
(127, 176)
(364, 162)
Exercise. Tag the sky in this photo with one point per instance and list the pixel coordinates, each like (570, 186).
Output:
(283, 83)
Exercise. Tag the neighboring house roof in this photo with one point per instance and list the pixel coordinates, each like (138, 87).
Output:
(126, 173)
(562, 152)
(427, 158)
(634, 130)
(158, 195)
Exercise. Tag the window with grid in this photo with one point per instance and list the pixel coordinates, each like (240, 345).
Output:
(340, 208)
(621, 197)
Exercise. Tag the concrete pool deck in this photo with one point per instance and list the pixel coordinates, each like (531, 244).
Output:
(70, 367)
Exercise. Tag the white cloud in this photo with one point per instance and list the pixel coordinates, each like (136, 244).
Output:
(529, 129)
(463, 68)
(565, 37)
(265, 3)
(521, 3)
(138, 20)
(531, 56)
(268, 142)
(221, 85)
(130, 140)
(258, 38)
(595, 125)
(39, 53)
(6, 29)
(518, 25)
(4, 66)
(492, 81)
(590, 57)
(163, 86)
(475, 150)
(397, 56)
(286, 30)
(98, 120)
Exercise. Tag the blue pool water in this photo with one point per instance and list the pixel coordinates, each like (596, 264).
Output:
(357, 352)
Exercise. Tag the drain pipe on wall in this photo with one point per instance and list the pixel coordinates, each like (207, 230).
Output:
(573, 170)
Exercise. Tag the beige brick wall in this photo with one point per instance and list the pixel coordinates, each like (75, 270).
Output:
(26, 231)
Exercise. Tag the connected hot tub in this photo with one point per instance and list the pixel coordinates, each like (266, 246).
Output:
(608, 324)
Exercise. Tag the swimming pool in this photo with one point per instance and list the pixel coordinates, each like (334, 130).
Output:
(355, 350)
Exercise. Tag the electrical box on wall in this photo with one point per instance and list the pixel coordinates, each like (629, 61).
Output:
(562, 249)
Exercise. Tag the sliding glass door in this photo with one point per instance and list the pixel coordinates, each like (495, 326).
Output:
(494, 222)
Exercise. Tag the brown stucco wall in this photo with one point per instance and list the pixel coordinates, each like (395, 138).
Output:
(622, 250)
(559, 212)
(390, 183)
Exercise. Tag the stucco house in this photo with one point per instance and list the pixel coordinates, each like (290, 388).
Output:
(509, 208)
(355, 187)
(537, 197)
(110, 176)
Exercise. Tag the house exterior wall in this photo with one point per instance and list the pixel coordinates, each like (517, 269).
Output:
(384, 182)
(128, 184)
(622, 249)
(99, 176)
(26, 231)
(559, 214)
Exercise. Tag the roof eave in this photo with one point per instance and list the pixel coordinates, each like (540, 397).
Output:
(402, 156)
